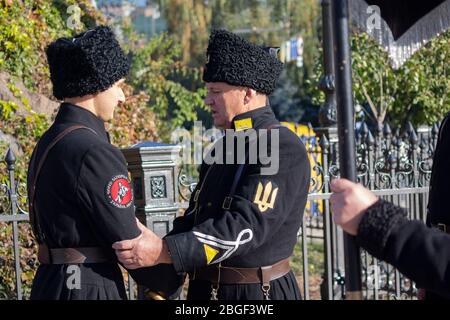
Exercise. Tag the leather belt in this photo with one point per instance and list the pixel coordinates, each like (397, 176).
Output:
(232, 275)
(442, 226)
(75, 255)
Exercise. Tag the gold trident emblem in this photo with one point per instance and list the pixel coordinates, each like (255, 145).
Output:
(262, 202)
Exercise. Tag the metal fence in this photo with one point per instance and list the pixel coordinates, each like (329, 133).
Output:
(396, 165)
(11, 192)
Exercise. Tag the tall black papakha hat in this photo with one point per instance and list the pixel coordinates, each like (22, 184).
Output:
(238, 62)
(88, 63)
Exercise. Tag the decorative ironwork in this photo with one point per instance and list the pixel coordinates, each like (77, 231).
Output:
(186, 185)
(21, 196)
(158, 187)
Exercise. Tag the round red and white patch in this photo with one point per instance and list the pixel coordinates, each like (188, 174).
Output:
(119, 192)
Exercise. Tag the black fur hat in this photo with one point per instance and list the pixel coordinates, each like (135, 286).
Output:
(90, 62)
(235, 61)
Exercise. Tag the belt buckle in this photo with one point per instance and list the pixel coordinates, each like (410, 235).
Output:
(442, 227)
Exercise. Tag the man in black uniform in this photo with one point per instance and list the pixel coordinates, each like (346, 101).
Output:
(80, 195)
(382, 228)
(438, 215)
(241, 226)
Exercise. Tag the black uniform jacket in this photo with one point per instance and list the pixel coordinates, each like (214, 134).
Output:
(419, 252)
(440, 184)
(259, 226)
(440, 178)
(83, 199)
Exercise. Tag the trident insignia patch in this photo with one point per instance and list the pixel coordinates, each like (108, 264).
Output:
(265, 196)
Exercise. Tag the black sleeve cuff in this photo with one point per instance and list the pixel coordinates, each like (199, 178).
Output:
(376, 226)
(186, 251)
(161, 277)
(175, 254)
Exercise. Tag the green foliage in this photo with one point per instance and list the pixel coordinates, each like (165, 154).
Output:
(28, 260)
(316, 263)
(157, 70)
(133, 120)
(268, 22)
(27, 27)
(419, 91)
(17, 43)
(423, 88)
(373, 78)
(27, 128)
(7, 109)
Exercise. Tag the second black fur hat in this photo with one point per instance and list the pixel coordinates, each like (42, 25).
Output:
(89, 63)
(238, 62)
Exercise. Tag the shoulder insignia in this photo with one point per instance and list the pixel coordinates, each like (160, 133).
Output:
(119, 192)
(243, 124)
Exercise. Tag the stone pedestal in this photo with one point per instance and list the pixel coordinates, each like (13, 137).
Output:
(154, 173)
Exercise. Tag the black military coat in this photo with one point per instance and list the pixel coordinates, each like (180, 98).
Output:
(440, 183)
(440, 178)
(419, 252)
(258, 227)
(77, 199)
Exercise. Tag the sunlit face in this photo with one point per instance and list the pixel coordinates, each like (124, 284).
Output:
(106, 101)
(226, 101)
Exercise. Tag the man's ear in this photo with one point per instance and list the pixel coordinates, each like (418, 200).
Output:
(249, 94)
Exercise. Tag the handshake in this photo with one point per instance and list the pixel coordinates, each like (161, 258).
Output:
(146, 250)
(147, 260)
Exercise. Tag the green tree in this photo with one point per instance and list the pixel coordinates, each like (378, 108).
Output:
(419, 91)
(157, 70)
(422, 92)
(266, 22)
(27, 27)
(187, 21)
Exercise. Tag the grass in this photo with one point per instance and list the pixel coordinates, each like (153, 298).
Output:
(316, 266)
